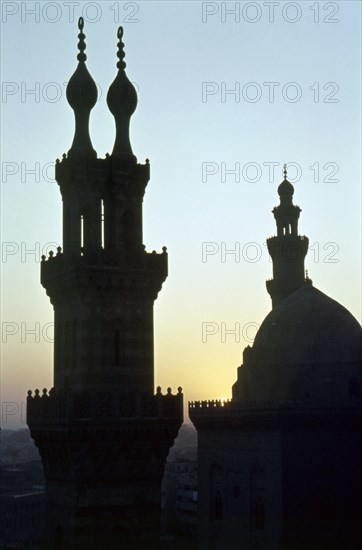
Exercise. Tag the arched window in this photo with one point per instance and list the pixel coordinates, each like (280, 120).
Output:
(117, 350)
(82, 233)
(259, 514)
(218, 506)
(118, 343)
(58, 537)
(67, 345)
(74, 343)
(102, 224)
(353, 387)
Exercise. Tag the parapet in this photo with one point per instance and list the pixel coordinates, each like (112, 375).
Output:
(56, 265)
(274, 413)
(58, 407)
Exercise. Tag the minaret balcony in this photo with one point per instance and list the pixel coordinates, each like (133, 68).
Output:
(63, 407)
(289, 247)
(151, 265)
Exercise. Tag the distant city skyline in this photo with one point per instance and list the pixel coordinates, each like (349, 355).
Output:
(225, 98)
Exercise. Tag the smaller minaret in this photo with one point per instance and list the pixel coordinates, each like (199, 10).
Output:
(122, 102)
(82, 97)
(287, 249)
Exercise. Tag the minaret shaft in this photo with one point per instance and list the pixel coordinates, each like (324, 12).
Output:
(103, 285)
(102, 433)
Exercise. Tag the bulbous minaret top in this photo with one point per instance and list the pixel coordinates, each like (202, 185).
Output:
(285, 189)
(81, 96)
(122, 102)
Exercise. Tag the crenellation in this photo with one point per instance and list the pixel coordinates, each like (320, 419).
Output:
(66, 405)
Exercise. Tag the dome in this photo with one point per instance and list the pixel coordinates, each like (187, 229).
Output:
(309, 346)
(306, 327)
(285, 189)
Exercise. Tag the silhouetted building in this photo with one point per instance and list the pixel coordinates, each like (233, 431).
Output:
(179, 516)
(102, 433)
(21, 477)
(21, 504)
(179, 500)
(17, 447)
(280, 464)
(21, 519)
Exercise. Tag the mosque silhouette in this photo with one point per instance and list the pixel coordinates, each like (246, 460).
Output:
(279, 464)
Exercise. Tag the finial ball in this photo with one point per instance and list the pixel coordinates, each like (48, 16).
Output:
(80, 23)
(285, 172)
(120, 32)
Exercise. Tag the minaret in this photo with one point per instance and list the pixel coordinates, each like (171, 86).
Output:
(287, 249)
(102, 433)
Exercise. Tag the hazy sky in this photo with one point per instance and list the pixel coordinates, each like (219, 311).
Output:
(222, 86)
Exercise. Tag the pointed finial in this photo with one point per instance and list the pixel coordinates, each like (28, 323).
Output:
(285, 171)
(120, 54)
(81, 44)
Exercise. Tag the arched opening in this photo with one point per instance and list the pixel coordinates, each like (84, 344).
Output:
(66, 348)
(102, 224)
(74, 343)
(118, 343)
(259, 514)
(353, 387)
(81, 233)
(117, 348)
(58, 537)
(218, 506)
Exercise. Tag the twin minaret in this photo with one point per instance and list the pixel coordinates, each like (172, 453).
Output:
(102, 431)
(103, 283)
(82, 97)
